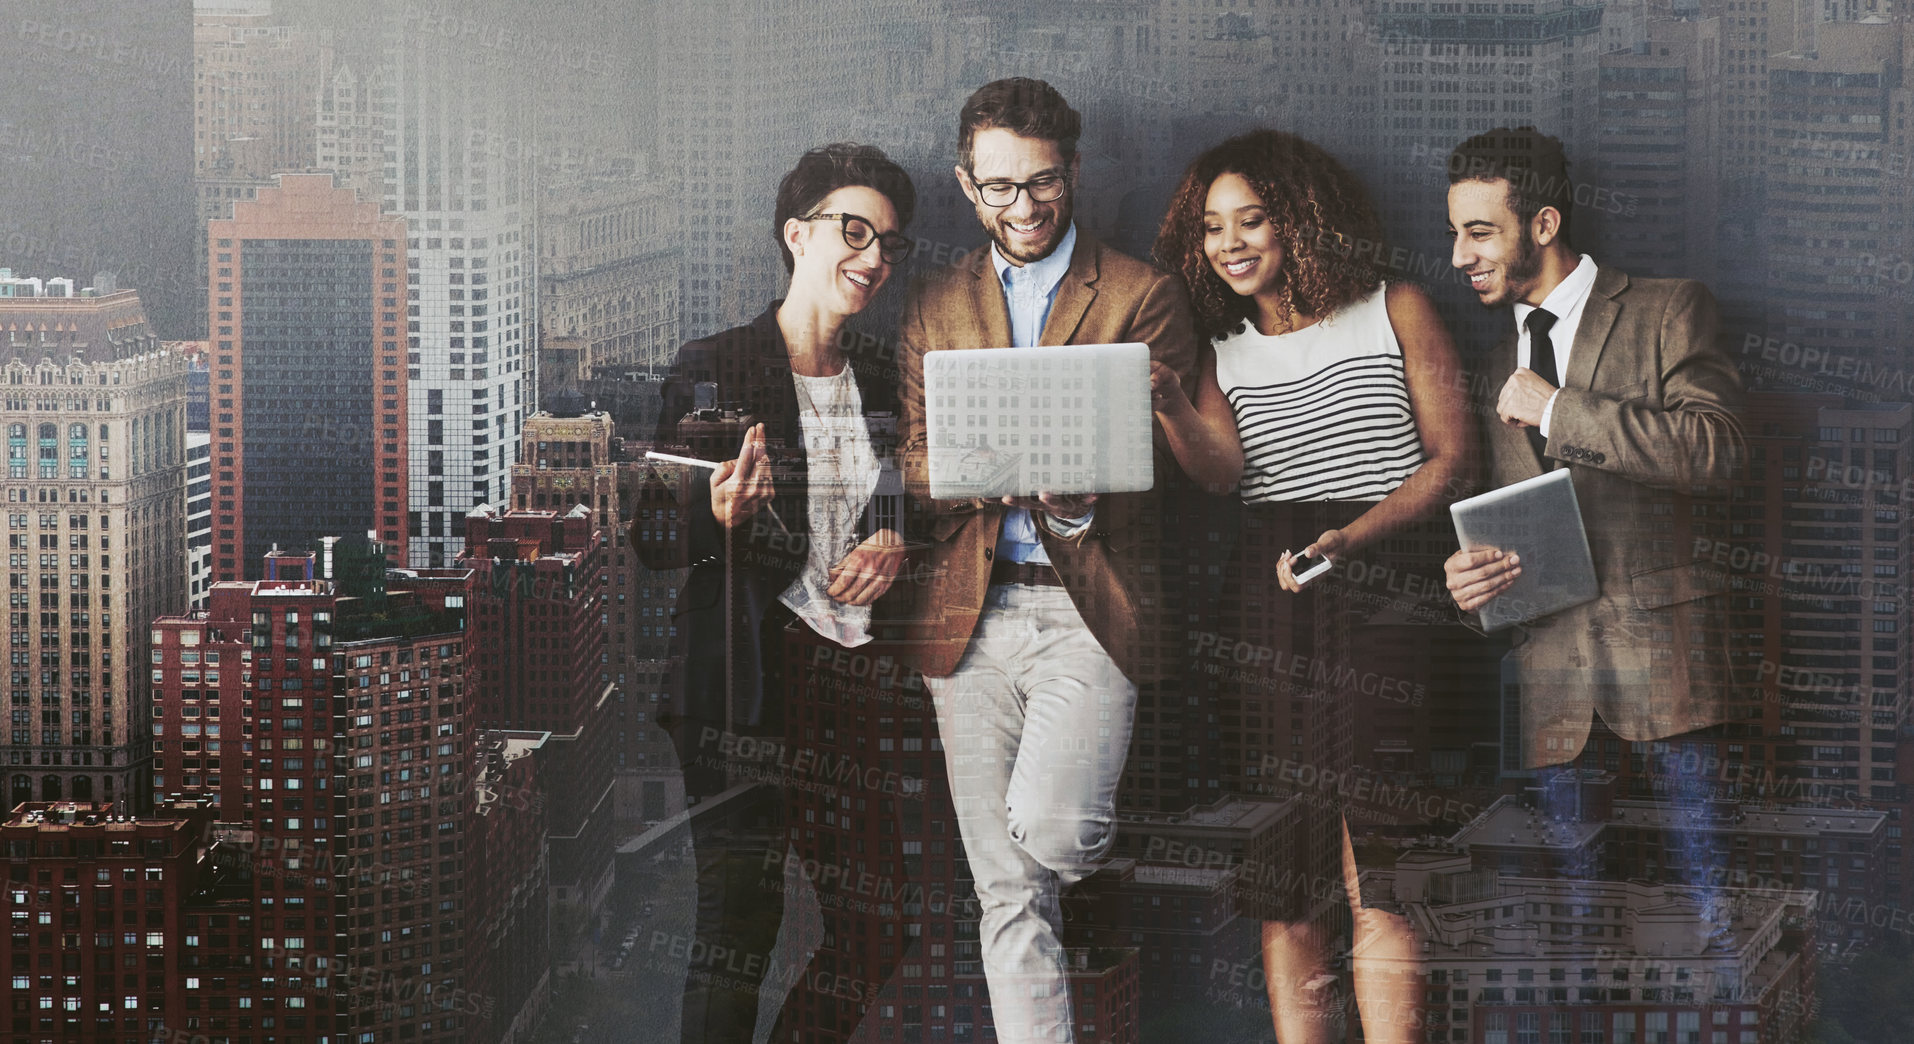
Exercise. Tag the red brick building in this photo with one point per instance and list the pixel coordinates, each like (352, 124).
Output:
(353, 756)
(97, 905)
(539, 664)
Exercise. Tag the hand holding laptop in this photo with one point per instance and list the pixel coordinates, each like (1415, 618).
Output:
(1041, 428)
(1066, 506)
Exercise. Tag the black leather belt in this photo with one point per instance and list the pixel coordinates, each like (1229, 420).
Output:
(1041, 574)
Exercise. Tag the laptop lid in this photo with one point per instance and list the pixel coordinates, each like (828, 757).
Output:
(1065, 419)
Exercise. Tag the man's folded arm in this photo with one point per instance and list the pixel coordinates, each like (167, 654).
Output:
(1694, 439)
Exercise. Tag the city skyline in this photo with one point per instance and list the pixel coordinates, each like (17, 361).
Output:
(543, 203)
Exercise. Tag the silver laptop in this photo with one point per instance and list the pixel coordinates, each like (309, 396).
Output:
(1053, 419)
(1539, 519)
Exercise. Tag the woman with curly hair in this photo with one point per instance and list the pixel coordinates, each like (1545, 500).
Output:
(1325, 401)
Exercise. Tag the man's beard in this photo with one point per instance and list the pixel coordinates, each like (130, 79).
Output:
(1524, 269)
(1060, 226)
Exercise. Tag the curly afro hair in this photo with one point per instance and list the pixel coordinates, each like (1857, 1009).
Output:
(1320, 213)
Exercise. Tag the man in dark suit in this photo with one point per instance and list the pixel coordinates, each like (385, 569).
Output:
(1040, 619)
(1621, 381)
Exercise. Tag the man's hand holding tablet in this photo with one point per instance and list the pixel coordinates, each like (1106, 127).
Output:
(1476, 576)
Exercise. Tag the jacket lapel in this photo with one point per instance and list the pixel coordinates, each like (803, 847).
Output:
(1598, 318)
(987, 304)
(1074, 294)
(774, 391)
(772, 387)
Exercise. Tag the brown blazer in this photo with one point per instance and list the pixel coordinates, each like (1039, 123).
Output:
(1646, 417)
(1105, 297)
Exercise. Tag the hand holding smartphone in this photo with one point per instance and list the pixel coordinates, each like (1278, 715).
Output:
(1308, 566)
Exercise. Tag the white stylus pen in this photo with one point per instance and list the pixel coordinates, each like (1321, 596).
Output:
(673, 458)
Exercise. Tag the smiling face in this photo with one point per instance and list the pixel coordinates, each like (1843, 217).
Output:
(824, 267)
(1500, 252)
(1239, 239)
(1026, 230)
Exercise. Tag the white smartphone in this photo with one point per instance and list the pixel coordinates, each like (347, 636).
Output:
(1307, 567)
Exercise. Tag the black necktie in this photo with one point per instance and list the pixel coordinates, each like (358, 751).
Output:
(1542, 361)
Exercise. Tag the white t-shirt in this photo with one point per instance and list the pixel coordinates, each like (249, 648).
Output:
(840, 475)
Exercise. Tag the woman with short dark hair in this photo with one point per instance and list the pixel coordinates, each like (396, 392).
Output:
(784, 549)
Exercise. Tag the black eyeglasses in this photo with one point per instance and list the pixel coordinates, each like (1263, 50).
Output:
(1000, 194)
(895, 247)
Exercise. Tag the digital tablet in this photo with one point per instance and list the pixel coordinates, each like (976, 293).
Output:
(1538, 519)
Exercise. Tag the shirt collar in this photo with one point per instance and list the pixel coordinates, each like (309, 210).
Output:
(1044, 275)
(1567, 295)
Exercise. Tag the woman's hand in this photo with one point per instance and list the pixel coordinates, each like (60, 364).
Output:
(1166, 391)
(1201, 431)
(867, 572)
(740, 487)
(1330, 545)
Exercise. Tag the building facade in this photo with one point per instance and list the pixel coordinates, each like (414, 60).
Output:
(539, 665)
(95, 419)
(609, 269)
(349, 129)
(307, 391)
(325, 711)
(102, 947)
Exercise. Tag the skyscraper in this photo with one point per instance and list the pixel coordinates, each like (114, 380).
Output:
(308, 395)
(350, 133)
(257, 79)
(1829, 187)
(609, 270)
(95, 421)
(1658, 153)
(739, 101)
(458, 161)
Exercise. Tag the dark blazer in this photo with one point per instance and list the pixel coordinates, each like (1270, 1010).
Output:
(1108, 568)
(737, 575)
(1647, 416)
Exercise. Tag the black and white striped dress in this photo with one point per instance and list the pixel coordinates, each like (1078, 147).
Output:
(1324, 411)
(1327, 431)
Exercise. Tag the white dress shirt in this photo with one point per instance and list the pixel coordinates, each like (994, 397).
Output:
(1565, 302)
(1029, 291)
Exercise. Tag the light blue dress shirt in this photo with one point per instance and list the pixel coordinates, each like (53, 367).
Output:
(1029, 291)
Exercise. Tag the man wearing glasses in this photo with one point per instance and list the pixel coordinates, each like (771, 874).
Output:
(1030, 635)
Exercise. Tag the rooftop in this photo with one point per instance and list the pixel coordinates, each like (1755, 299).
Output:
(1229, 812)
(1781, 821)
(1510, 824)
